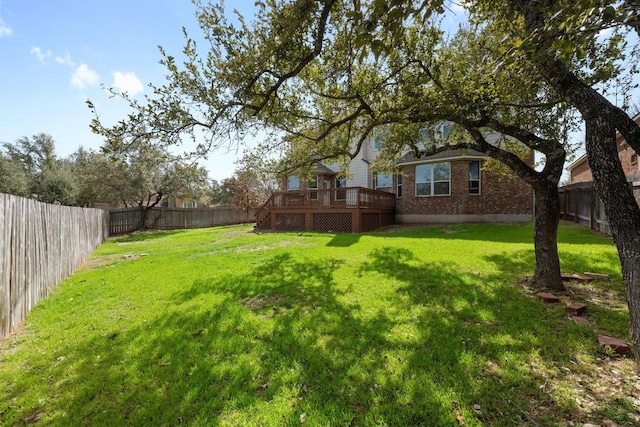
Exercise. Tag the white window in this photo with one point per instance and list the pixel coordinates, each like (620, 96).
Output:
(384, 182)
(379, 136)
(433, 179)
(445, 131)
(474, 177)
(424, 135)
(293, 183)
(399, 186)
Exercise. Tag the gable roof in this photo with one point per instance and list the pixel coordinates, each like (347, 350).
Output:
(321, 169)
(580, 160)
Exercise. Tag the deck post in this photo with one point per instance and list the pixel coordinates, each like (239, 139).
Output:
(308, 221)
(356, 215)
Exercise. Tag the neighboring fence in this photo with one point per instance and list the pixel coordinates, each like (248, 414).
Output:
(126, 220)
(580, 203)
(41, 244)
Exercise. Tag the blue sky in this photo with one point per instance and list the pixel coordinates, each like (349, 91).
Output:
(56, 54)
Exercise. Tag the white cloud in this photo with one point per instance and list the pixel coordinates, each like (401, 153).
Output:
(5, 31)
(127, 82)
(84, 76)
(65, 60)
(42, 56)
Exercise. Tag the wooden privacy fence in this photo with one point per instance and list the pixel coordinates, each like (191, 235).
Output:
(580, 203)
(125, 220)
(41, 244)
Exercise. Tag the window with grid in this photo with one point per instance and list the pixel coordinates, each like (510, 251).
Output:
(433, 179)
(384, 182)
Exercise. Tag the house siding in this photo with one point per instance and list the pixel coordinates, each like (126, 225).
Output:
(502, 199)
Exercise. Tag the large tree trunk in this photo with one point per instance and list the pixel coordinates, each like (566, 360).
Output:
(602, 119)
(547, 217)
(621, 209)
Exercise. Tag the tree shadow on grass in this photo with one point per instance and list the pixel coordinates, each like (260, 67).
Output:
(605, 299)
(288, 343)
(344, 240)
(501, 346)
(496, 232)
(521, 263)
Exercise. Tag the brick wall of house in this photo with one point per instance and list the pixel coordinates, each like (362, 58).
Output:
(628, 158)
(581, 173)
(501, 198)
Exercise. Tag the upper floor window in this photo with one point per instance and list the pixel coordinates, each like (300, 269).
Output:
(293, 183)
(424, 135)
(433, 179)
(384, 182)
(313, 182)
(379, 135)
(474, 177)
(445, 131)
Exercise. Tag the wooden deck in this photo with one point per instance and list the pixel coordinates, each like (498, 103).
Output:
(344, 210)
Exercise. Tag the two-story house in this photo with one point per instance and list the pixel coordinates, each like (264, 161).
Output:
(448, 187)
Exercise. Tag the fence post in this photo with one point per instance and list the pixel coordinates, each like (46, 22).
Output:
(592, 207)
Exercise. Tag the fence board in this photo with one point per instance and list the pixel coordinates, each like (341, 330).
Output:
(41, 244)
(5, 242)
(580, 203)
(125, 220)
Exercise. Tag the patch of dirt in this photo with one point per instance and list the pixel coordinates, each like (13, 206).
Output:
(608, 379)
(235, 233)
(258, 303)
(108, 260)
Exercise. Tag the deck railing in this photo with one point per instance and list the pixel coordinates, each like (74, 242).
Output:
(352, 197)
(332, 198)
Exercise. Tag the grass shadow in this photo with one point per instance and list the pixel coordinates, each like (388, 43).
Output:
(291, 340)
(344, 240)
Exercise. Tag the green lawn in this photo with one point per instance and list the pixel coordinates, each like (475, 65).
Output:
(430, 326)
